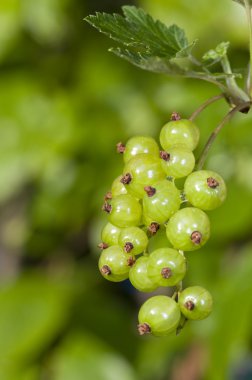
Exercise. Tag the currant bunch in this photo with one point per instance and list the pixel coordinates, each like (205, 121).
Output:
(151, 224)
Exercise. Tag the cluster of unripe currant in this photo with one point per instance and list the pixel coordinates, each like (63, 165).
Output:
(151, 223)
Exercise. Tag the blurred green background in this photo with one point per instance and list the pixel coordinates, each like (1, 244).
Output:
(64, 104)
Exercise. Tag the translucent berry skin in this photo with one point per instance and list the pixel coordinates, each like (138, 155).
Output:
(179, 132)
(145, 170)
(140, 144)
(159, 240)
(110, 234)
(184, 225)
(205, 189)
(136, 236)
(166, 266)
(125, 211)
(115, 260)
(118, 187)
(180, 163)
(161, 314)
(163, 204)
(139, 278)
(195, 303)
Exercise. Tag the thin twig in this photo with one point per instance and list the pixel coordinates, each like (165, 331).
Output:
(205, 105)
(214, 134)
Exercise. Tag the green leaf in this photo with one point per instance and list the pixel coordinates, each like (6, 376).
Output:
(150, 44)
(218, 53)
(155, 64)
(142, 37)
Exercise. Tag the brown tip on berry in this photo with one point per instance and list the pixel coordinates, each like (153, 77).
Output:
(164, 155)
(150, 191)
(128, 246)
(131, 261)
(143, 328)
(107, 207)
(212, 183)
(108, 196)
(120, 147)
(166, 272)
(189, 305)
(126, 179)
(175, 116)
(196, 237)
(103, 245)
(105, 270)
(153, 228)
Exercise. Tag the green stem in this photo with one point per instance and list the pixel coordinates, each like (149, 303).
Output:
(205, 105)
(248, 12)
(197, 63)
(174, 295)
(207, 78)
(181, 324)
(234, 90)
(179, 286)
(217, 130)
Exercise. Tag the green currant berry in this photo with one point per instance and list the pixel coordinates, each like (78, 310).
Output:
(161, 201)
(166, 266)
(114, 263)
(177, 162)
(124, 211)
(179, 132)
(142, 170)
(159, 315)
(188, 229)
(139, 278)
(133, 240)
(205, 189)
(118, 187)
(159, 240)
(110, 234)
(137, 145)
(195, 302)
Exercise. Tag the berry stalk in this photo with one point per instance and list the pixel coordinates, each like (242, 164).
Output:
(227, 118)
(204, 105)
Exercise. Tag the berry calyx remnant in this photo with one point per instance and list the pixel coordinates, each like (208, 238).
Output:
(189, 305)
(150, 191)
(107, 207)
(128, 247)
(143, 328)
(126, 179)
(105, 270)
(175, 116)
(120, 147)
(103, 245)
(196, 237)
(212, 182)
(166, 272)
(153, 228)
(164, 155)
